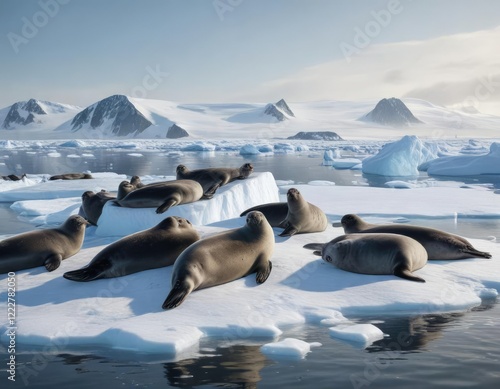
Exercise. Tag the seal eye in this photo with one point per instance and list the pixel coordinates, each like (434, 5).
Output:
(328, 258)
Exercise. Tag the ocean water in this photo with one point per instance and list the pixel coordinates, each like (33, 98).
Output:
(448, 350)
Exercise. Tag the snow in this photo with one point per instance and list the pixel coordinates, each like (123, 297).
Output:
(400, 158)
(468, 165)
(125, 313)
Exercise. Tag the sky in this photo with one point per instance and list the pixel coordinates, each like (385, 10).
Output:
(81, 51)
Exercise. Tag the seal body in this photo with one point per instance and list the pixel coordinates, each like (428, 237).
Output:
(163, 195)
(222, 258)
(71, 176)
(275, 213)
(46, 247)
(375, 254)
(440, 245)
(302, 217)
(212, 179)
(155, 247)
(93, 203)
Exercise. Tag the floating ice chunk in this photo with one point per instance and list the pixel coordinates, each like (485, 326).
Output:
(54, 155)
(361, 334)
(345, 163)
(288, 348)
(199, 146)
(284, 182)
(321, 183)
(74, 143)
(135, 155)
(75, 156)
(284, 148)
(488, 293)
(400, 184)
(266, 149)
(467, 165)
(301, 148)
(249, 150)
(400, 158)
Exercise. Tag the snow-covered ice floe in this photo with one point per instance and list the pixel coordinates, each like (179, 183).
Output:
(229, 202)
(125, 313)
(288, 348)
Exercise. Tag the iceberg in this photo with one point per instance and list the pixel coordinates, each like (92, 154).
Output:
(400, 158)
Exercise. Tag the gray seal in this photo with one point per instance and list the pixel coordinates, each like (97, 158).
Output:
(212, 179)
(71, 176)
(222, 258)
(275, 213)
(93, 203)
(124, 189)
(163, 195)
(374, 254)
(153, 248)
(440, 245)
(302, 217)
(47, 247)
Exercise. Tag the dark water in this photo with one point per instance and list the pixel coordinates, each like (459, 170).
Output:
(454, 350)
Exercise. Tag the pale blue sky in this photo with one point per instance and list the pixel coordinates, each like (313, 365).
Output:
(90, 49)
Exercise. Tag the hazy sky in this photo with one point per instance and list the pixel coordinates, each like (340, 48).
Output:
(80, 51)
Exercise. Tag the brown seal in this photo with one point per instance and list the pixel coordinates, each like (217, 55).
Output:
(212, 179)
(440, 245)
(71, 176)
(46, 247)
(163, 195)
(302, 217)
(222, 258)
(155, 247)
(374, 254)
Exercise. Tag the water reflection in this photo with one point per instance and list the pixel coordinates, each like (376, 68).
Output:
(239, 365)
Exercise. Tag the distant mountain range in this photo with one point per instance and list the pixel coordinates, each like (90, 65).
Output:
(120, 116)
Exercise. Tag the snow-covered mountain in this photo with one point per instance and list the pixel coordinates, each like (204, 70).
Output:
(390, 112)
(123, 117)
(33, 114)
(114, 115)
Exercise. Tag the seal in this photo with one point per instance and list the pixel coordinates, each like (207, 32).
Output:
(136, 182)
(71, 176)
(124, 189)
(212, 179)
(374, 254)
(275, 213)
(302, 217)
(222, 258)
(440, 245)
(153, 248)
(13, 177)
(163, 195)
(46, 247)
(93, 203)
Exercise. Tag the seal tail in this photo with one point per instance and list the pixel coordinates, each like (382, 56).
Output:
(476, 253)
(89, 273)
(176, 296)
(407, 275)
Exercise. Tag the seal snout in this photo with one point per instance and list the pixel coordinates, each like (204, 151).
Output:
(292, 192)
(181, 169)
(254, 217)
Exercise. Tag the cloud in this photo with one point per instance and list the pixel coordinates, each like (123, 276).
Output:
(447, 70)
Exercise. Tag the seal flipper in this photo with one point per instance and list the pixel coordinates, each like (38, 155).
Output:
(289, 231)
(89, 273)
(176, 296)
(476, 253)
(402, 272)
(263, 273)
(166, 205)
(314, 246)
(209, 193)
(53, 262)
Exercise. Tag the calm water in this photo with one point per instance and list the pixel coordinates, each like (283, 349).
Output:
(458, 350)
